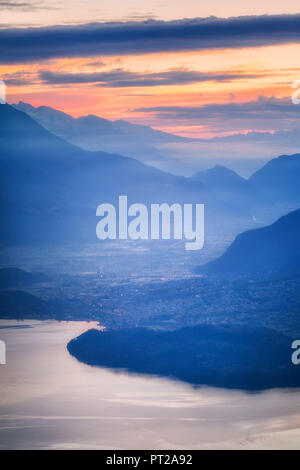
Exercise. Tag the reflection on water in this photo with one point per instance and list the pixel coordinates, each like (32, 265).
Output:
(49, 400)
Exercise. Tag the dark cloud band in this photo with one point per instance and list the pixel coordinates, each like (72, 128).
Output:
(108, 39)
(262, 108)
(263, 113)
(120, 78)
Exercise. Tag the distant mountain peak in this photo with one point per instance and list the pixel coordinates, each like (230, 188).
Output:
(222, 168)
(93, 117)
(219, 174)
(22, 104)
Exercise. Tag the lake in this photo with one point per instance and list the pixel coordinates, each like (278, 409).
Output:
(49, 400)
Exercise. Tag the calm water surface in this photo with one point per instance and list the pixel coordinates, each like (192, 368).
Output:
(48, 400)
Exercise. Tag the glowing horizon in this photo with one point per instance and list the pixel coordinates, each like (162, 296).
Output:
(167, 89)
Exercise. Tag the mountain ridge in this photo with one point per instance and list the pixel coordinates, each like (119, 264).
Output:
(119, 127)
(272, 249)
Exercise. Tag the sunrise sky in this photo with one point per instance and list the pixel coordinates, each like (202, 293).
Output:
(199, 69)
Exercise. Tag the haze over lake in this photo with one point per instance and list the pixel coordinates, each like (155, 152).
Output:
(50, 400)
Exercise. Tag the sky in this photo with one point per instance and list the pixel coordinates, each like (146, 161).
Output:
(197, 69)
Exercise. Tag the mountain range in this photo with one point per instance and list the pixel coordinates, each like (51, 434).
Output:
(95, 133)
(92, 127)
(50, 188)
(244, 153)
(275, 182)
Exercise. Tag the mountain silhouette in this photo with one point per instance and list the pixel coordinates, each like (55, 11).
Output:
(273, 188)
(244, 152)
(17, 304)
(12, 277)
(92, 126)
(220, 176)
(230, 188)
(50, 188)
(223, 356)
(95, 133)
(279, 180)
(273, 249)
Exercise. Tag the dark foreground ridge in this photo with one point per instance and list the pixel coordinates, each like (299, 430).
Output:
(14, 277)
(222, 356)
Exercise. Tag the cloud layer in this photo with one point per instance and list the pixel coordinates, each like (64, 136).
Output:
(30, 5)
(261, 114)
(119, 78)
(20, 45)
